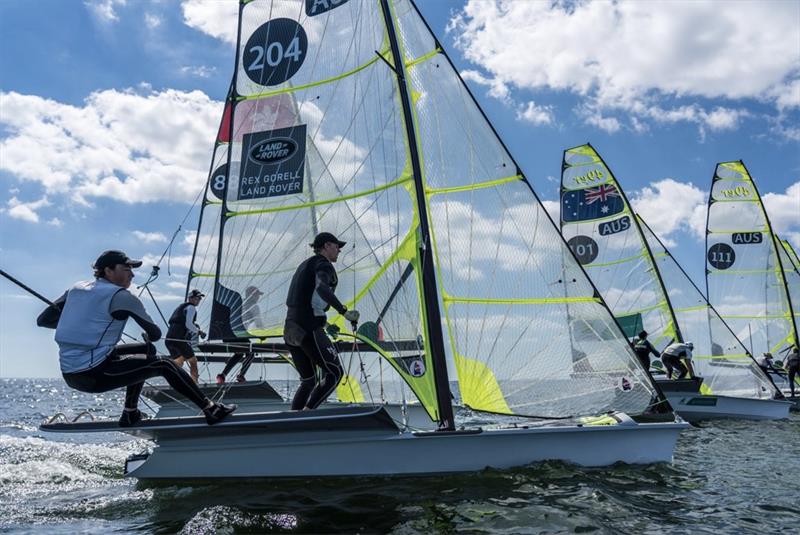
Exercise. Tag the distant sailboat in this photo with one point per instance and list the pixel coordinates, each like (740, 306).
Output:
(473, 299)
(647, 289)
(750, 274)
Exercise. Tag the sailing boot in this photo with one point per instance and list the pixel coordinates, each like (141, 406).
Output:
(218, 412)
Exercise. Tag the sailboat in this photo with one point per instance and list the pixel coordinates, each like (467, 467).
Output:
(750, 274)
(475, 305)
(648, 290)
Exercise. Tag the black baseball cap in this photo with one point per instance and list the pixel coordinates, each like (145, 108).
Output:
(324, 237)
(196, 293)
(109, 259)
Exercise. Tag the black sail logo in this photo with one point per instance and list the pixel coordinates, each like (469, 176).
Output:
(273, 151)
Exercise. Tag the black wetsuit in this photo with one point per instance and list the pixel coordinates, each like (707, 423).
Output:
(311, 293)
(642, 347)
(178, 340)
(126, 365)
(235, 359)
(793, 368)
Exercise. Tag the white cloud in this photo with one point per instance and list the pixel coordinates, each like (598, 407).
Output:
(152, 21)
(56, 222)
(26, 211)
(669, 206)
(497, 89)
(217, 19)
(175, 261)
(121, 144)
(627, 55)
(200, 71)
(105, 9)
(150, 237)
(784, 212)
(535, 114)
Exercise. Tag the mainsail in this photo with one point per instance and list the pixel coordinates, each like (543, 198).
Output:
(600, 227)
(347, 116)
(747, 269)
(631, 267)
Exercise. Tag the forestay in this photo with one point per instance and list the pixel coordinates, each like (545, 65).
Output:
(746, 271)
(319, 127)
(719, 357)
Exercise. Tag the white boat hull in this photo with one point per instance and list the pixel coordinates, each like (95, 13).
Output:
(381, 453)
(695, 407)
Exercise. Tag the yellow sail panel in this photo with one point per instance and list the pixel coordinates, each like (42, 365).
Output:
(479, 387)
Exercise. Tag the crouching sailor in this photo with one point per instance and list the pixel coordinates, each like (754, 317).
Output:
(674, 357)
(89, 319)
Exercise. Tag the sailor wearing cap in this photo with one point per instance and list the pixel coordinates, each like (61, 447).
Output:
(184, 332)
(89, 319)
(311, 294)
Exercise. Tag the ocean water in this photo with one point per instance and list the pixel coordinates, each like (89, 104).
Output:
(727, 477)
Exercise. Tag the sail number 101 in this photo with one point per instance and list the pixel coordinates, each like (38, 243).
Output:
(584, 248)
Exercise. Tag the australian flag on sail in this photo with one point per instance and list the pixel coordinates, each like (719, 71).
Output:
(591, 203)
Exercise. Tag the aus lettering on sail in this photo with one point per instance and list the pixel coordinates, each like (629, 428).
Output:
(318, 7)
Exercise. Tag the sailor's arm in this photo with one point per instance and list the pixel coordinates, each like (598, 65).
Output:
(323, 289)
(125, 305)
(652, 350)
(50, 315)
(191, 326)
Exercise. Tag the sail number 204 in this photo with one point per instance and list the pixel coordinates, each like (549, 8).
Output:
(275, 52)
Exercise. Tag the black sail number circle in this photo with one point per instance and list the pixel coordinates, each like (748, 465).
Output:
(217, 181)
(584, 248)
(721, 255)
(275, 52)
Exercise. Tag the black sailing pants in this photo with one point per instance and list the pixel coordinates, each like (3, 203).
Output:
(794, 371)
(234, 360)
(312, 350)
(671, 362)
(128, 365)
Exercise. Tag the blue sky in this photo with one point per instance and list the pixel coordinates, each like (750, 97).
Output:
(108, 111)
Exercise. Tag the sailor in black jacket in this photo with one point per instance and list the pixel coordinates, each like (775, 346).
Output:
(311, 294)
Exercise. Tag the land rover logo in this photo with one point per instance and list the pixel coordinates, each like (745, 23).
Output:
(273, 151)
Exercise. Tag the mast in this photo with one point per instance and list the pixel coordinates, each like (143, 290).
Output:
(775, 245)
(649, 251)
(432, 315)
(222, 216)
